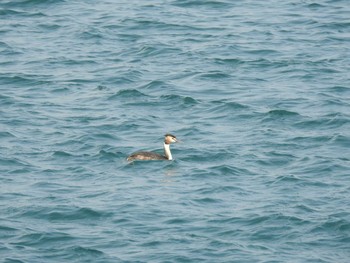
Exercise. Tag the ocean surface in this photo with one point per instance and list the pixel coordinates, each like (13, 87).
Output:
(258, 92)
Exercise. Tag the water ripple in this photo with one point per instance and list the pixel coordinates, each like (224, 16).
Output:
(257, 92)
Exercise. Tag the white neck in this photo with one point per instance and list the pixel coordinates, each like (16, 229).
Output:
(167, 151)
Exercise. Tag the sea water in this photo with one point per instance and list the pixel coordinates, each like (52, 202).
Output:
(257, 91)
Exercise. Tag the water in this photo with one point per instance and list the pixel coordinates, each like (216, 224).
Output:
(258, 92)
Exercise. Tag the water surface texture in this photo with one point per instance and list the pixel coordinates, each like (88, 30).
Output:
(258, 92)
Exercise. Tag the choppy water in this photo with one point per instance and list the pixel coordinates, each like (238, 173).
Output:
(258, 92)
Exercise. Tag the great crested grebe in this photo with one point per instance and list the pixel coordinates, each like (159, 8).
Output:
(169, 138)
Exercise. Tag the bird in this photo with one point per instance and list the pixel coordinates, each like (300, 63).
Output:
(148, 156)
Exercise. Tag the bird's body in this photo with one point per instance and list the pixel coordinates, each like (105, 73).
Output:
(148, 156)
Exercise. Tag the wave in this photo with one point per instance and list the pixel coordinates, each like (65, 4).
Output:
(61, 154)
(225, 169)
(24, 79)
(68, 214)
(213, 75)
(147, 51)
(341, 140)
(334, 225)
(43, 239)
(184, 100)
(30, 3)
(85, 251)
(229, 61)
(282, 113)
(5, 134)
(223, 106)
(127, 94)
(154, 85)
(14, 162)
(11, 12)
(199, 3)
(324, 122)
(104, 154)
(340, 89)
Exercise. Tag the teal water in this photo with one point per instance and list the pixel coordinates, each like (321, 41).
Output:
(257, 91)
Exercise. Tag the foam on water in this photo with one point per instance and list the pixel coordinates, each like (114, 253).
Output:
(257, 92)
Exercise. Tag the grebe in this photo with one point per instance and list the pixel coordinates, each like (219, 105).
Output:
(169, 138)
